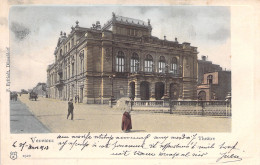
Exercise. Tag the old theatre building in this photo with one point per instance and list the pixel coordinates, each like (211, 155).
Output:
(121, 59)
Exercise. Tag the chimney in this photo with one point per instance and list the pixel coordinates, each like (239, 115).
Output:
(203, 58)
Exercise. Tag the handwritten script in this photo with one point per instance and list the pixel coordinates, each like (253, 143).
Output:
(186, 146)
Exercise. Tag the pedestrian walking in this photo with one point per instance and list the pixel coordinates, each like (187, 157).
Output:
(70, 109)
(126, 121)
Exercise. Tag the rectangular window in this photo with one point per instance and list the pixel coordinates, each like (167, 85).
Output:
(161, 67)
(120, 64)
(72, 67)
(131, 32)
(134, 65)
(148, 66)
(174, 68)
(69, 72)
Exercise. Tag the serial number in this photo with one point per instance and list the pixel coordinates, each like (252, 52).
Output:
(26, 156)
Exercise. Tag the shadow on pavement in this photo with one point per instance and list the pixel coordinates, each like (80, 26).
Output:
(137, 131)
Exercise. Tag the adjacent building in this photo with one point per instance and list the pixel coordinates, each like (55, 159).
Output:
(40, 89)
(121, 59)
(215, 86)
(205, 66)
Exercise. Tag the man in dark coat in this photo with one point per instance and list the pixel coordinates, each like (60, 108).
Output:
(70, 109)
(126, 122)
(76, 99)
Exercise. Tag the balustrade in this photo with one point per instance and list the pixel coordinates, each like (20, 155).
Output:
(178, 103)
(193, 107)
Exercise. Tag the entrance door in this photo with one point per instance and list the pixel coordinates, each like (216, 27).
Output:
(159, 90)
(144, 90)
(202, 95)
(174, 94)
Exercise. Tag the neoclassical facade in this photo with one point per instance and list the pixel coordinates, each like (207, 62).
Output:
(121, 59)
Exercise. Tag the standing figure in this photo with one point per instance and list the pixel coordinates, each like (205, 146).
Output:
(76, 99)
(126, 121)
(15, 96)
(70, 109)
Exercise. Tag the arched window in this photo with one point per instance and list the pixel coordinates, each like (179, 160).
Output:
(120, 62)
(81, 61)
(134, 63)
(60, 52)
(148, 63)
(69, 71)
(65, 71)
(162, 64)
(209, 79)
(174, 65)
(72, 41)
(72, 66)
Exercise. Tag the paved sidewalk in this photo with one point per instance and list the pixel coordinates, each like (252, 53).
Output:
(100, 118)
(23, 121)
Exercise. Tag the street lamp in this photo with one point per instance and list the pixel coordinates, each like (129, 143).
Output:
(131, 102)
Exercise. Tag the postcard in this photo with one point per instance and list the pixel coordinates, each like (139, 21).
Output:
(110, 83)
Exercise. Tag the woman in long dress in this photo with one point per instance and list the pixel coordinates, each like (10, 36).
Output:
(126, 121)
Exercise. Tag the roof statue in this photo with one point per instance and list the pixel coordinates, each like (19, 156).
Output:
(77, 23)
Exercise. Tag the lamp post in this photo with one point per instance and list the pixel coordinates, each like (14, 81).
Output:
(131, 102)
(228, 104)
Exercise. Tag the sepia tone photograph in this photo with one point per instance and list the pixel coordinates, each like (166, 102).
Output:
(127, 69)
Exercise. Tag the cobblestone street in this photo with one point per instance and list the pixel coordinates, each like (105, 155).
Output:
(101, 118)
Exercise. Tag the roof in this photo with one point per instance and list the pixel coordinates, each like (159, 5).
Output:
(126, 21)
(50, 66)
(130, 21)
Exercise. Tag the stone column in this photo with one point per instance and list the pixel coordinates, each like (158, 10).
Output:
(128, 88)
(165, 87)
(137, 90)
(152, 90)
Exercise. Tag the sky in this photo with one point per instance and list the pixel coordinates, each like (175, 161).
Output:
(34, 32)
